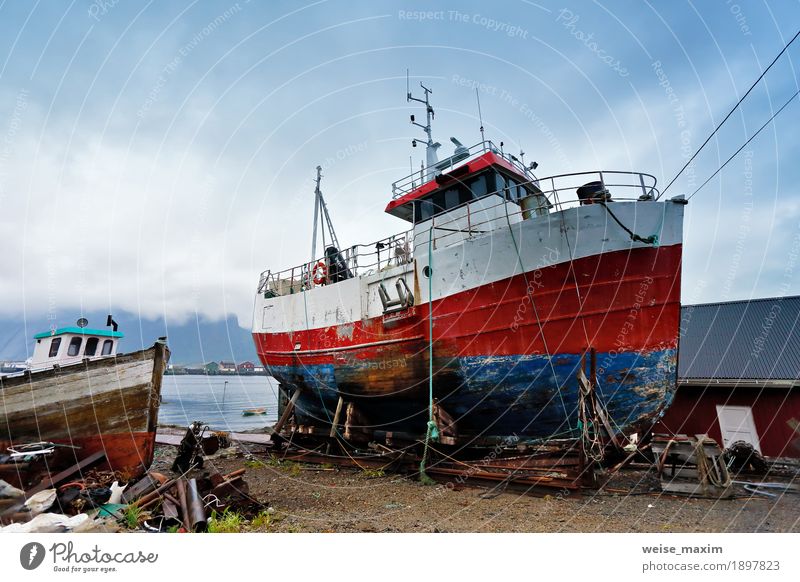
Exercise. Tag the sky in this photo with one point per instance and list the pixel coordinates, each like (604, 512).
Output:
(156, 157)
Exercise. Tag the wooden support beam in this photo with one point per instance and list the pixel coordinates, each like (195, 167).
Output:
(336, 416)
(278, 426)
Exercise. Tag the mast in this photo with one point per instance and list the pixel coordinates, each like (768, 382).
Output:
(430, 150)
(317, 194)
(321, 218)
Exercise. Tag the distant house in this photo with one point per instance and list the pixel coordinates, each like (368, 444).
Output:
(739, 374)
(212, 368)
(246, 368)
(227, 367)
(259, 370)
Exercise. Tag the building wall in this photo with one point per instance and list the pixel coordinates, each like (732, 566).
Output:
(694, 412)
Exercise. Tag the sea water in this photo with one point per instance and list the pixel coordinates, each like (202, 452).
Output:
(218, 401)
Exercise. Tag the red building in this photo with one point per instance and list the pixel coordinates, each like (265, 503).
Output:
(739, 374)
(246, 368)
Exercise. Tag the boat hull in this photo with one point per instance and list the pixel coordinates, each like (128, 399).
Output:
(108, 404)
(506, 340)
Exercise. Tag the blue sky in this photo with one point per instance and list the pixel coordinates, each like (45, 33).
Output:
(156, 157)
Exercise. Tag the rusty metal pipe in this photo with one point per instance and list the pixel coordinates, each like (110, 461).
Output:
(181, 487)
(147, 499)
(236, 473)
(197, 511)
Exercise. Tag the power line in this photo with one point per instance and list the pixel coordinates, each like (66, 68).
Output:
(713, 133)
(745, 144)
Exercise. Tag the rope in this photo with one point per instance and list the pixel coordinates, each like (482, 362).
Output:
(705, 470)
(432, 432)
(686, 165)
(649, 240)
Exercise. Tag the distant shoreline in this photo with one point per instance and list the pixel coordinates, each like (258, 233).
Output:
(205, 373)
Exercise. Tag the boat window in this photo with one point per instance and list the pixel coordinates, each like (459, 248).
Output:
(55, 343)
(431, 206)
(478, 186)
(107, 345)
(74, 346)
(500, 184)
(91, 347)
(452, 198)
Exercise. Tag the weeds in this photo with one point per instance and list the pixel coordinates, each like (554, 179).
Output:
(132, 515)
(273, 461)
(265, 520)
(228, 522)
(373, 473)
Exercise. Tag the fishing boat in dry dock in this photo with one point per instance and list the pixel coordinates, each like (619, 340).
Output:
(79, 397)
(484, 307)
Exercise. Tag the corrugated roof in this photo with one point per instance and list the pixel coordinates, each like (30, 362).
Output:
(757, 339)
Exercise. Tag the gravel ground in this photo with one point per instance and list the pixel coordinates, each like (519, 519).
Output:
(312, 498)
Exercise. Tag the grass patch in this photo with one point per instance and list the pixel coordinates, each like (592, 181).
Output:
(254, 464)
(265, 520)
(373, 473)
(294, 469)
(227, 522)
(132, 516)
(273, 461)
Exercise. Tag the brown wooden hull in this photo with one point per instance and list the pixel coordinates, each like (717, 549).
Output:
(109, 404)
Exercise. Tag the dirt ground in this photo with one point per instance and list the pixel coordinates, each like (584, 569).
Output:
(314, 498)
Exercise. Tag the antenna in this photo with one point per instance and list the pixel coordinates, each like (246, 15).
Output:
(480, 115)
(430, 150)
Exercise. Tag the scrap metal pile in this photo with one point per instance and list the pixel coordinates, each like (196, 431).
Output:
(85, 498)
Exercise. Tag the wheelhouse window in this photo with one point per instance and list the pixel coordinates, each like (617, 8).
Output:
(74, 346)
(91, 346)
(55, 343)
(454, 196)
(107, 345)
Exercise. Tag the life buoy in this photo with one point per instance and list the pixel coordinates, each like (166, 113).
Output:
(320, 273)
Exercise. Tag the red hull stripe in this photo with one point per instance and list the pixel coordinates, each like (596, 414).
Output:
(620, 301)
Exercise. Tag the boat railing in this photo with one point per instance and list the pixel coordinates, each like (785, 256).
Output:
(478, 216)
(462, 155)
(359, 260)
(551, 194)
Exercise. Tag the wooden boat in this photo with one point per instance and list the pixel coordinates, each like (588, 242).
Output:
(254, 411)
(82, 396)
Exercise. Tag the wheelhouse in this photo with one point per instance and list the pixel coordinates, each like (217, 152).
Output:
(489, 174)
(68, 345)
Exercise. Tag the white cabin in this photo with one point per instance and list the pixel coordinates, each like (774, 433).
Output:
(69, 345)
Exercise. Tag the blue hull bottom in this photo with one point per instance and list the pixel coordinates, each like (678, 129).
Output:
(530, 396)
